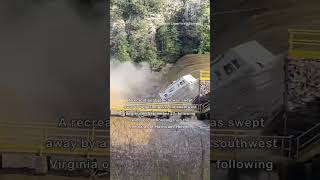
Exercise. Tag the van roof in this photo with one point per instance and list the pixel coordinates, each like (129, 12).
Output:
(189, 78)
(252, 52)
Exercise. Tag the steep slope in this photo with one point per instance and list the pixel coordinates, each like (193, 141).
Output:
(188, 64)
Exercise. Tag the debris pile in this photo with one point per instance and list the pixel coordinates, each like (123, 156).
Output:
(204, 88)
(303, 82)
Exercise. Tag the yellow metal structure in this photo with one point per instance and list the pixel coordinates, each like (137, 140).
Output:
(204, 75)
(154, 107)
(304, 44)
(33, 138)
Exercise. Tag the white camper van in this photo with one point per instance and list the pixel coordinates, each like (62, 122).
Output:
(175, 86)
(248, 83)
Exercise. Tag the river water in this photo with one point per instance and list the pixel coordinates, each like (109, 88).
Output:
(159, 148)
(52, 59)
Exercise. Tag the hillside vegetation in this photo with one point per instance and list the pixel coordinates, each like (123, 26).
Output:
(159, 31)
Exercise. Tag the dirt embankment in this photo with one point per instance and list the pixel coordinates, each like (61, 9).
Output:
(188, 64)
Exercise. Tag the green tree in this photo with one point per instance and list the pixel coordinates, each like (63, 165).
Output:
(169, 42)
(132, 8)
(123, 49)
(135, 41)
(151, 57)
(204, 29)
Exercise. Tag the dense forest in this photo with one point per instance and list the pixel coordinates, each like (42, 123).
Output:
(159, 31)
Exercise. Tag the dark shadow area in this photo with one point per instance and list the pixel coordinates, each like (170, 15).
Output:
(53, 60)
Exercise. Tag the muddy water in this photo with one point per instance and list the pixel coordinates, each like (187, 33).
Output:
(146, 148)
(52, 59)
(23, 177)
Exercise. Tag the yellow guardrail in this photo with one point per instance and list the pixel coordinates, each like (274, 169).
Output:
(156, 107)
(142, 103)
(33, 139)
(304, 44)
(154, 110)
(204, 75)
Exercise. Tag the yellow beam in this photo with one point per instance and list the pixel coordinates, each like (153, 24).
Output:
(300, 54)
(204, 75)
(304, 44)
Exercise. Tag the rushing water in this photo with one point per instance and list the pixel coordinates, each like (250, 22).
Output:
(151, 148)
(52, 59)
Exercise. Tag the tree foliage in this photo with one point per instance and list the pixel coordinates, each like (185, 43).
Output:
(123, 49)
(145, 38)
(169, 43)
(204, 30)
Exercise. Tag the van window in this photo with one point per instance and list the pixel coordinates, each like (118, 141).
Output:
(229, 69)
(260, 65)
(235, 62)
